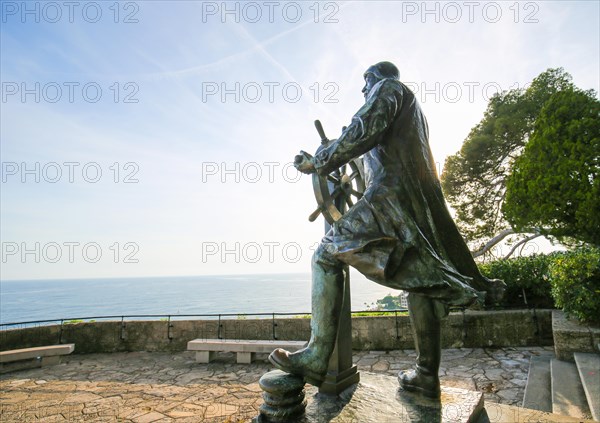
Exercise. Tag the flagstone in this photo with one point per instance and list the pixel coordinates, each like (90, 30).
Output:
(161, 387)
(149, 417)
(380, 366)
(81, 397)
(179, 414)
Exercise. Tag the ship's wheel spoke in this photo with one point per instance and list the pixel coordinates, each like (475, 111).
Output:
(333, 179)
(337, 192)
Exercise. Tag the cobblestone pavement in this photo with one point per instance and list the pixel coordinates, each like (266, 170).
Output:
(145, 387)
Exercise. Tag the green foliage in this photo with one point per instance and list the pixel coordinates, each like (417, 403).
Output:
(389, 302)
(555, 183)
(378, 313)
(567, 280)
(575, 282)
(474, 179)
(526, 278)
(364, 314)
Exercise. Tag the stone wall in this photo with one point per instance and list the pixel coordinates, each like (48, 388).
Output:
(571, 336)
(517, 328)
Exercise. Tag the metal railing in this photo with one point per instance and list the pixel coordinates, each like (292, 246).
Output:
(169, 317)
(220, 316)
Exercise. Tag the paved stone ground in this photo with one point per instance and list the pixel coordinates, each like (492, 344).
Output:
(143, 387)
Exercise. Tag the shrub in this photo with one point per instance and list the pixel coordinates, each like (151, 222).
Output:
(526, 278)
(575, 279)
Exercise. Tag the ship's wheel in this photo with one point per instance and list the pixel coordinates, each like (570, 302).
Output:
(340, 190)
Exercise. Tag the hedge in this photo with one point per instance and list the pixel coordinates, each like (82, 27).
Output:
(526, 278)
(575, 279)
(565, 279)
(568, 280)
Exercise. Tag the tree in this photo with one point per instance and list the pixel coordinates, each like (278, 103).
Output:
(474, 179)
(555, 182)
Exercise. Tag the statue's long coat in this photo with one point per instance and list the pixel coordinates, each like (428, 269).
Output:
(400, 233)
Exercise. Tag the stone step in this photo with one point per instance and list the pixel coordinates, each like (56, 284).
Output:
(503, 413)
(538, 395)
(588, 366)
(568, 397)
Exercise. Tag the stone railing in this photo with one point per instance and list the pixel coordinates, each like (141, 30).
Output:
(471, 329)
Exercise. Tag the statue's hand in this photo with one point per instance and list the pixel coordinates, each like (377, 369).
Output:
(304, 163)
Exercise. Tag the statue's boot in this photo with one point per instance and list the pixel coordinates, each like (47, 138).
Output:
(312, 361)
(425, 316)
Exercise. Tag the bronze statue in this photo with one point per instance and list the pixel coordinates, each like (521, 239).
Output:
(399, 234)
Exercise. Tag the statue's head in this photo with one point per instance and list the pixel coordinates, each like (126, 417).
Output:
(378, 72)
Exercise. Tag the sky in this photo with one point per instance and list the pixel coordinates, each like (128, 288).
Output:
(155, 138)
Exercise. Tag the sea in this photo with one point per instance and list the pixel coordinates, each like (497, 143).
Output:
(69, 299)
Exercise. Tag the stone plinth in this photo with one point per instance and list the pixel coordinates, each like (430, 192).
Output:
(377, 399)
(570, 336)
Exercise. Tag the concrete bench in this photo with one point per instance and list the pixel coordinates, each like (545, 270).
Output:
(33, 357)
(245, 349)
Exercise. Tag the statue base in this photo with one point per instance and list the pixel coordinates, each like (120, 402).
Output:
(378, 399)
(283, 396)
(335, 384)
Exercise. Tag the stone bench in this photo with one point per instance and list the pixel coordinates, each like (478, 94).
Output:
(245, 349)
(33, 357)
